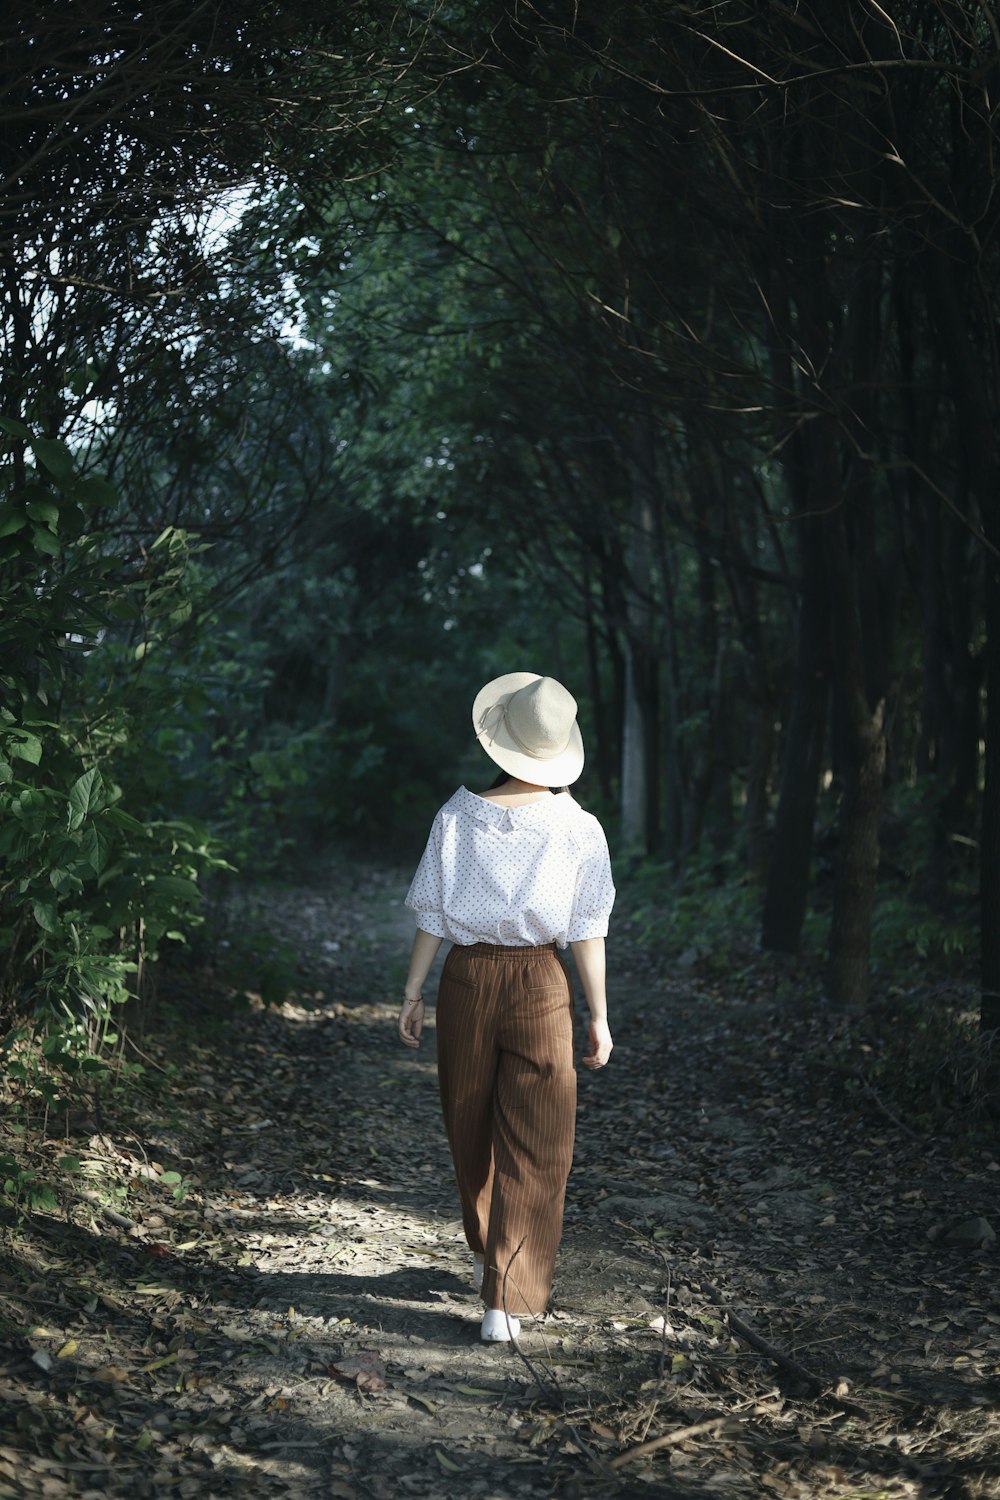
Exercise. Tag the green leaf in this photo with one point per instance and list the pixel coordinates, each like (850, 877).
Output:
(45, 915)
(125, 821)
(13, 427)
(93, 490)
(55, 456)
(170, 1179)
(24, 746)
(86, 796)
(96, 847)
(176, 888)
(11, 519)
(45, 512)
(44, 541)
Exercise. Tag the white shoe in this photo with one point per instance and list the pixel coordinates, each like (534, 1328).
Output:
(499, 1327)
(477, 1273)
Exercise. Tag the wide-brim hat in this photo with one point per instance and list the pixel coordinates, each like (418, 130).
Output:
(527, 724)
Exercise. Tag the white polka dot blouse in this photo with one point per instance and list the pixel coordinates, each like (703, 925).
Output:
(520, 876)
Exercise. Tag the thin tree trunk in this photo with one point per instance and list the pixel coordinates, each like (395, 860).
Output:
(759, 765)
(975, 402)
(640, 767)
(634, 780)
(596, 688)
(989, 838)
(864, 750)
(794, 823)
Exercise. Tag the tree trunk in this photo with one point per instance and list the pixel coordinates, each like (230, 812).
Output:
(864, 750)
(758, 784)
(595, 684)
(795, 818)
(857, 865)
(640, 729)
(975, 401)
(989, 838)
(634, 778)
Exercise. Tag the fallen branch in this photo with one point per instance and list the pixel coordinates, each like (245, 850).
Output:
(816, 1386)
(119, 1220)
(900, 1124)
(762, 1345)
(668, 1439)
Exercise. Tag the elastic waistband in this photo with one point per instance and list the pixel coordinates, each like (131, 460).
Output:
(506, 950)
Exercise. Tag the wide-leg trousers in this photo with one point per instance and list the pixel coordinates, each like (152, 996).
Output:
(508, 1092)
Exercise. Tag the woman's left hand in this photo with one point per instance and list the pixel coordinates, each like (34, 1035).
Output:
(411, 1022)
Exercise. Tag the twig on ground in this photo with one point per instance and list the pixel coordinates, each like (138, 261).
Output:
(900, 1124)
(119, 1220)
(552, 1390)
(668, 1439)
(817, 1386)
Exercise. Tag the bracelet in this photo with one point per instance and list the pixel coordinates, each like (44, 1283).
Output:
(418, 1001)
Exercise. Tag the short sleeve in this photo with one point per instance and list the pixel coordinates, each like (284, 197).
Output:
(426, 894)
(595, 892)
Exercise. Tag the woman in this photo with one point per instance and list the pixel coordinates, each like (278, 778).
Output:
(510, 876)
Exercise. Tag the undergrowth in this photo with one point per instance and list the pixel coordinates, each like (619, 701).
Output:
(917, 1054)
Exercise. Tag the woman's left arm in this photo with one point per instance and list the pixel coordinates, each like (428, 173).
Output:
(411, 1015)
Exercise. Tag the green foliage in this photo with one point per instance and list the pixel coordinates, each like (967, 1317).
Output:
(709, 914)
(905, 933)
(89, 889)
(251, 959)
(923, 1057)
(24, 1188)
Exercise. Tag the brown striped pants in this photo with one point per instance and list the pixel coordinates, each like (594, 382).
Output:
(508, 1091)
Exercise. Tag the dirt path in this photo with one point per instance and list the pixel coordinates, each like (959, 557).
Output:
(301, 1322)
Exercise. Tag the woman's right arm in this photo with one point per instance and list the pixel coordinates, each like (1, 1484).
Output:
(588, 955)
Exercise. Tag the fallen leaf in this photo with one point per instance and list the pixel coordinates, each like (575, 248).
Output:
(365, 1369)
(69, 1348)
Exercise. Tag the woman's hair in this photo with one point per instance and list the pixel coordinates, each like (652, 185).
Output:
(505, 776)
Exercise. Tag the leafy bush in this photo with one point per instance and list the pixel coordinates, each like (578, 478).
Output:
(904, 932)
(709, 912)
(88, 889)
(923, 1058)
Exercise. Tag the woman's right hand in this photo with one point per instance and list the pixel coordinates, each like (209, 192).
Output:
(600, 1045)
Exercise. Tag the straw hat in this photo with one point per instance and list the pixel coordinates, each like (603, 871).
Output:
(527, 724)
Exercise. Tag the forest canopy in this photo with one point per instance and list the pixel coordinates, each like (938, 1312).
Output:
(352, 355)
